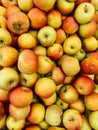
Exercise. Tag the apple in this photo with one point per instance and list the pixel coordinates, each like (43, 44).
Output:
(44, 5)
(81, 1)
(69, 25)
(54, 18)
(91, 101)
(88, 29)
(9, 56)
(42, 85)
(61, 76)
(61, 103)
(78, 105)
(40, 50)
(12, 123)
(5, 37)
(3, 22)
(70, 66)
(1, 110)
(85, 124)
(4, 95)
(69, 79)
(37, 113)
(12, 9)
(2, 10)
(24, 5)
(95, 17)
(56, 128)
(28, 80)
(46, 63)
(21, 96)
(84, 12)
(19, 113)
(46, 36)
(27, 61)
(19, 25)
(65, 7)
(7, 3)
(55, 51)
(27, 41)
(68, 94)
(36, 21)
(9, 78)
(95, 3)
(32, 127)
(3, 122)
(49, 101)
(43, 125)
(53, 115)
(84, 85)
(72, 44)
(61, 35)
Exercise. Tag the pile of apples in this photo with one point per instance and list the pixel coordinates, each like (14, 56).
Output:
(49, 64)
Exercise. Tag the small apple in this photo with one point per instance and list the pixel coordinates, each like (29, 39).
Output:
(47, 36)
(5, 37)
(19, 113)
(65, 7)
(32, 127)
(61, 35)
(28, 80)
(12, 123)
(4, 95)
(70, 65)
(18, 23)
(9, 78)
(44, 5)
(3, 22)
(91, 101)
(27, 61)
(3, 122)
(72, 44)
(68, 94)
(84, 12)
(40, 50)
(7, 3)
(27, 41)
(84, 85)
(8, 56)
(69, 79)
(88, 29)
(37, 113)
(43, 125)
(54, 18)
(42, 85)
(72, 119)
(46, 63)
(69, 25)
(36, 21)
(55, 51)
(53, 115)
(25, 6)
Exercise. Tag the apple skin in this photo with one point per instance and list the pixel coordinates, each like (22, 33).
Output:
(43, 124)
(37, 113)
(72, 119)
(65, 7)
(91, 101)
(5, 37)
(27, 61)
(3, 122)
(54, 18)
(68, 94)
(69, 25)
(55, 51)
(24, 98)
(47, 36)
(40, 50)
(2, 10)
(19, 113)
(7, 3)
(61, 35)
(81, 1)
(41, 87)
(12, 123)
(9, 78)
(9, 56)
(95, 3)
(88, 29)
(19, 25)
(4, 95)
(36, 21)
(53, 115)
(56, 128)
(3, 22)
(44, 5)
(84, 85)
(83, 10)
(32, 127)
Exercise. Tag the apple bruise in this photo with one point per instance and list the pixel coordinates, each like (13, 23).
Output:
(18, 26)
